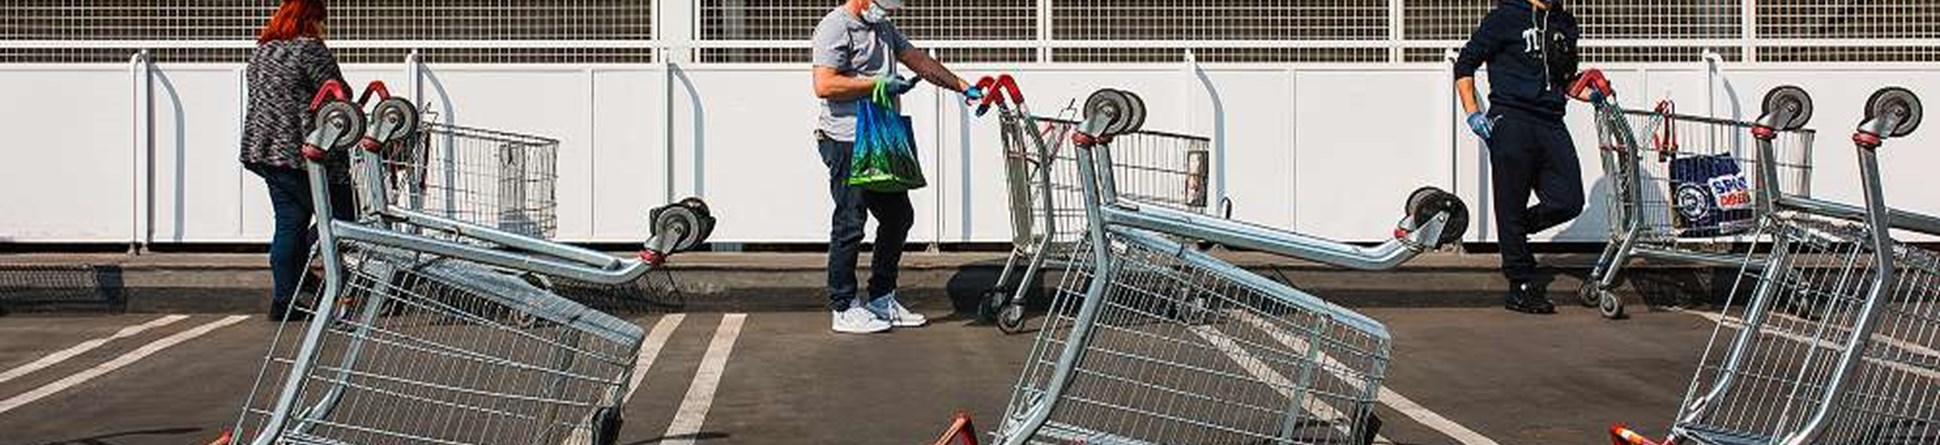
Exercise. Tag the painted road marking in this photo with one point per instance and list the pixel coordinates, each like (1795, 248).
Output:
(700, 395)
(656, 340)
(117, 363)
(62, 355)
(1395, 400)
(1279, 383)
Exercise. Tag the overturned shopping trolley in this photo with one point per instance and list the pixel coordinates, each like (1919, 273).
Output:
(1836, 344)
(1694, 188)
(418, 336)
(1151, 341)
(1046, 210)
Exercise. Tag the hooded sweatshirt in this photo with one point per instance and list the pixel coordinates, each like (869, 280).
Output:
(1531, 55)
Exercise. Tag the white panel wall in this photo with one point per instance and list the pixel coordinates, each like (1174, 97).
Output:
(1329, 150)
(70, 176)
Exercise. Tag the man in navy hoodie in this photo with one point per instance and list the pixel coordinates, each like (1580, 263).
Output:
(1530, 49)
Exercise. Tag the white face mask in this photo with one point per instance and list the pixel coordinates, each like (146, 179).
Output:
(875, 13)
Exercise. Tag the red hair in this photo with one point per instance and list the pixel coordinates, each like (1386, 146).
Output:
(296, 18)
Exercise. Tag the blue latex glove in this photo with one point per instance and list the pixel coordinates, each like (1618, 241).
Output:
(972, 94)
(896, 86)
(1480, 124)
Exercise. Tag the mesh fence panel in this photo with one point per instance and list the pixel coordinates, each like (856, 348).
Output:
(622, 31)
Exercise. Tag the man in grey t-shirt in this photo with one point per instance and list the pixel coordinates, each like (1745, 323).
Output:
(855, 50)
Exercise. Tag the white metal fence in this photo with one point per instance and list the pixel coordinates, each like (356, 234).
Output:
(1304, 99)
(1120, 31)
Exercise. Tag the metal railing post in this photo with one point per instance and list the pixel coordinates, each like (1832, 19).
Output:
(141, 73)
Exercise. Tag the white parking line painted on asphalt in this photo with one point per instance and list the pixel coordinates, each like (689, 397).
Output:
(1395, 400)
(1280, 383)
(117, 363)
(656, 339)
(1819, 343)
(57, 357)
(700, 394)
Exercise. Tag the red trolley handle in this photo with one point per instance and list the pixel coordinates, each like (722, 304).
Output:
(1665, 138)
(994, 89)
(376, 86)
(331, 89)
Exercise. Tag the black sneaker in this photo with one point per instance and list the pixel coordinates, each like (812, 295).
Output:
(1528, 298)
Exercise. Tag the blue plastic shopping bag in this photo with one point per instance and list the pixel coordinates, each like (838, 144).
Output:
(1711, 197)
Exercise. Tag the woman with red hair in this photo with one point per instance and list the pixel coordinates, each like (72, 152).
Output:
(285, 71)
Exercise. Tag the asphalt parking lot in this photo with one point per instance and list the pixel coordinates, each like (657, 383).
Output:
(1461, 376)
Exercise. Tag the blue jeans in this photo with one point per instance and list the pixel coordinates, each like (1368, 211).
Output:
(894, 216)
(289, 248)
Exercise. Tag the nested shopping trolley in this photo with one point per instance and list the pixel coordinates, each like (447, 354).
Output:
(1837, 342)
(1694, 188)
(1152, 341)
(1041, 179)
(418, 335)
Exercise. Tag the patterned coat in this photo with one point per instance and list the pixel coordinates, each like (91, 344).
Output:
(283, 76)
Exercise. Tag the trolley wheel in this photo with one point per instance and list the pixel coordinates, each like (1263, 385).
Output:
(1589, 294)
(1609, 305)
(677, 219)
(1791, 99)
(1899, 101)
(346, 115)
(1371, 430)
(1137, 111)
(1010, 319)
(1112, 105)
(1426, 202)
(400, 116)
(606, 426)
(992, 302)
(706, 217)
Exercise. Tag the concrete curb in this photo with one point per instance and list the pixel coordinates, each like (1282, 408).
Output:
(238, 283)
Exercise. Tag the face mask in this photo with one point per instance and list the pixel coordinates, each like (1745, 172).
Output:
(874, 13)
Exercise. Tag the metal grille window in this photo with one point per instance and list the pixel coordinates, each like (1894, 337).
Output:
(794, 20)
(1659, 19)
(1262, 20)
(1850, 54)
(162, 20)
(1848, 19)
(183, 30)
(1221, 55)
(1442, 19)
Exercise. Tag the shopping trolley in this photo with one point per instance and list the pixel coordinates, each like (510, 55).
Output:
(1836, 344)
(1046, 211)
(1694, 188)
(418, 337)
(1152, 341)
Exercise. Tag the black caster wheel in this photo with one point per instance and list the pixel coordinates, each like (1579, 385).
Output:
(1426, 202)
(993, 301)
(1610, 306)
(606, 426)
(1588, 294)
(1010, 319)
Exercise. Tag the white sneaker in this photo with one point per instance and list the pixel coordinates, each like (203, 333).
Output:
(892, 311)
(857, 320)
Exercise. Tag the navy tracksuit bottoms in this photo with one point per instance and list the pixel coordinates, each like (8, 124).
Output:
(1531, 154)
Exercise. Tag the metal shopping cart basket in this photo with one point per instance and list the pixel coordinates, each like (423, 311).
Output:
(1836, 344)
(492, 178)
(417, 338)
(1151, 341)
(1694, 188)
(1046, 211)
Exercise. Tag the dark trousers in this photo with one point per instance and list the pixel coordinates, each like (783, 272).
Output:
(1531, 154)
(289, 248)
(853, 205)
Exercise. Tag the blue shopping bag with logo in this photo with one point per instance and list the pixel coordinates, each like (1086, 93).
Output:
(1711, 197)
